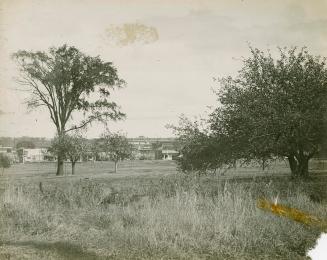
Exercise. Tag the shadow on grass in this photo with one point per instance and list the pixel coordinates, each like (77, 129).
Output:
(63, 249)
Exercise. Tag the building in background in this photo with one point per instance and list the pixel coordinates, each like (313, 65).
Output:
(154, 148)
(169, 154)
(35, 155)
(143, 149)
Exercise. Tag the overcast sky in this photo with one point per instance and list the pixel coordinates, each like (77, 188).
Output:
(168, 63)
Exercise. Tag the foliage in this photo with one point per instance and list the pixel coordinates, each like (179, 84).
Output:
(157, 148)
(68, 82)
(4, 161)
(275, 107)
(95, 148)
(200, 149)
(192, 214)
(25, 144)
(117, 147)
(77, 147)
(73, 147)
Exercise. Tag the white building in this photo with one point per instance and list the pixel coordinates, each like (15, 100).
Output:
(34, 155)
(168, 154)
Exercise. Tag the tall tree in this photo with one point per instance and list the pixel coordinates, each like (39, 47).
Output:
(117, 147)
(67, 81)
(275, 107)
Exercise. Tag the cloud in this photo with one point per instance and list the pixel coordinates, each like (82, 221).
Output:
(130, 33)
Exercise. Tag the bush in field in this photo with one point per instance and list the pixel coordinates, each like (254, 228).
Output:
(200, 151)
(4, 162)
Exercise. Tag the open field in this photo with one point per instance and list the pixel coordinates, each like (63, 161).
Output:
(147, 211)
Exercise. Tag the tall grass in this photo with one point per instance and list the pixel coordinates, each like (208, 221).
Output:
(174, 218)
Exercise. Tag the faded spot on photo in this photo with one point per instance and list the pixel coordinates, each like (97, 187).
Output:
(130, 33)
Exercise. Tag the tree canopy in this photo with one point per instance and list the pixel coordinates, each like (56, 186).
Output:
(72, 147)
(67, 81)
(117, 147)
(275, 107)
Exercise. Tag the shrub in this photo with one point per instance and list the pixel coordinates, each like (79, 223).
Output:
(4, 162)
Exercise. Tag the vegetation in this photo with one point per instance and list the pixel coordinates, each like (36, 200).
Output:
(273, 108)
(174, 217)
(72, 147)
(66, 81)
(25, 144)
(116, 147)
(4, 162)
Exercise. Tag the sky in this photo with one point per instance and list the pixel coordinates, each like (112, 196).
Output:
(168, 52)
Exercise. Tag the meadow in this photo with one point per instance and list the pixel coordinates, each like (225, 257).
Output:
(148, 210)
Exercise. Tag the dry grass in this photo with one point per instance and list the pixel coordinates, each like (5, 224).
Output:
(176, 217)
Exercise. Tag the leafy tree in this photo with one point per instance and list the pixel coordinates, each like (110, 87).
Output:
(59, 147)
(96, 148)
(77, 148)
(72, 147)
(117, 147)
(275, 107)
(200, 150)
(156, 147)
(66, 81)
(4, 162)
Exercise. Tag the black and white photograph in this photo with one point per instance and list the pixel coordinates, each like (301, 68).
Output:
(162, 129)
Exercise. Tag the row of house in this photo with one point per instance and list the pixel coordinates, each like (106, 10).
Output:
(154, 148)
(23, 155)
(143, 149)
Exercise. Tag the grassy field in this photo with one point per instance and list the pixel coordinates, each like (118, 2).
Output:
(148, 211)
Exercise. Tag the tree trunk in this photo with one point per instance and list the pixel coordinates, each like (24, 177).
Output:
(235, 163)
(116, 166)
(263, 164)
(60, 157)
(60, 166)
(299, 166)
(73, 168)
